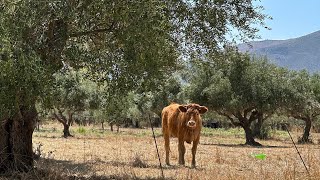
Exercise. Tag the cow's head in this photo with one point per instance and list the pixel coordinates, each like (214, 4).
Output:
(193, 112)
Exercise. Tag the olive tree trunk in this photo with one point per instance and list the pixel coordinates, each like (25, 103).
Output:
(111, 126)
(66, 131)
(249, 136)
(16, 140)
(245, 123)
(239, 119)
(102, 125)
(306, 133)
(65, 121)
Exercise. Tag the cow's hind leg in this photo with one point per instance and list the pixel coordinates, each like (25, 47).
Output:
(182, 151)
(167, 147)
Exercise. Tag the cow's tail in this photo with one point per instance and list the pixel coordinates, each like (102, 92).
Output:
(165, 128)
(164, 120)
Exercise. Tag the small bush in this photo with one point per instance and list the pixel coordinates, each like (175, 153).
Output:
(81, 130)
(137, 162)
(265, 132)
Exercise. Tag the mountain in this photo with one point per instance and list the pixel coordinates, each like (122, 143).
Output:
(298, 53)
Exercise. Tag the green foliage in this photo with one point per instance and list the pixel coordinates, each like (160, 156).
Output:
(129, 44)
(169, 91)
(202, 26)
(305, 95)
(265, 132)
(73, 92)
(239, 83)
(81, 130)
(116, 108)
(69, 92)
(222, 132)
(22, 79)
(239, 87)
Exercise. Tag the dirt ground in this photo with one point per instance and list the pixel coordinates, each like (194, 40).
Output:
(131, 154)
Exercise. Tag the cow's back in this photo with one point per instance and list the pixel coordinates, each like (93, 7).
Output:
(170, 119)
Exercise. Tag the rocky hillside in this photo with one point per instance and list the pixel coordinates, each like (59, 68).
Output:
(298, 53)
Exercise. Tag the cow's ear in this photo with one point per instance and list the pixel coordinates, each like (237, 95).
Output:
(203, 109)
(183, 108)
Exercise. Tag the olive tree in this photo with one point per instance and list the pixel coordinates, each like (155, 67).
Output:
(72, 94)
(242, 89)
(167, 92)
(304, 100)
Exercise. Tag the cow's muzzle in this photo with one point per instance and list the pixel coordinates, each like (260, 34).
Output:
(191, 124)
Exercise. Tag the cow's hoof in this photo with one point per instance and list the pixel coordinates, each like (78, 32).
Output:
(182, 164)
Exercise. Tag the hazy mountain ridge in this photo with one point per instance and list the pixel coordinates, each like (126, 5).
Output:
(298, 53)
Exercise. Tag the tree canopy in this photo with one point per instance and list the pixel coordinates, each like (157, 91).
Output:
(242, 89)
(304, 100)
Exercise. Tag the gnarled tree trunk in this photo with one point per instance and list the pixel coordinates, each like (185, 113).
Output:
(118, 127)
(66, 131)
(66, 122)
(241, 120)
(102, 125)
(306, 133)
(245, 123)
(249, 136)
(111, 126)
(16, 140)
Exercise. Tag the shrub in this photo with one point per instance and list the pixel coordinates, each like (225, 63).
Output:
(81, 130)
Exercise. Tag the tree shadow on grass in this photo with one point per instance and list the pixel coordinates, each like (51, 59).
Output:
(64, 166)
(69, 170)
(145, 165)
(243, 145)
(63, 169)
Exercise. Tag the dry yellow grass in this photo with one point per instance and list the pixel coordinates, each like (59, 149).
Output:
(131, 154)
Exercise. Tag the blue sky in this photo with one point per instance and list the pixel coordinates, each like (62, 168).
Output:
(291, 18)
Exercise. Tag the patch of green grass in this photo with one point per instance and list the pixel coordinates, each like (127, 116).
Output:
(47, 130)
(232, 132)
(144, 132)
(81, 130)
(279, 134)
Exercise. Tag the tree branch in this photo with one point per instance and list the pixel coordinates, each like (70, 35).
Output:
(62, 116)
(300, 117)
(229, 117)
(83, 5)
(57, 117)
(315, 114)
(95, 31)
(246, 111)
(254, 115)
(267, 116)
(70, 117)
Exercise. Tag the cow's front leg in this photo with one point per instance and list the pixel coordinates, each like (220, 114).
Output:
(194, 150)
(182, 151)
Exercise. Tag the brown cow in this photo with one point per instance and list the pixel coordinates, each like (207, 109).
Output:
(183, 122)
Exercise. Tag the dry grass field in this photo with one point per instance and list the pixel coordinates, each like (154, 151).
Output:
(131, 154)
